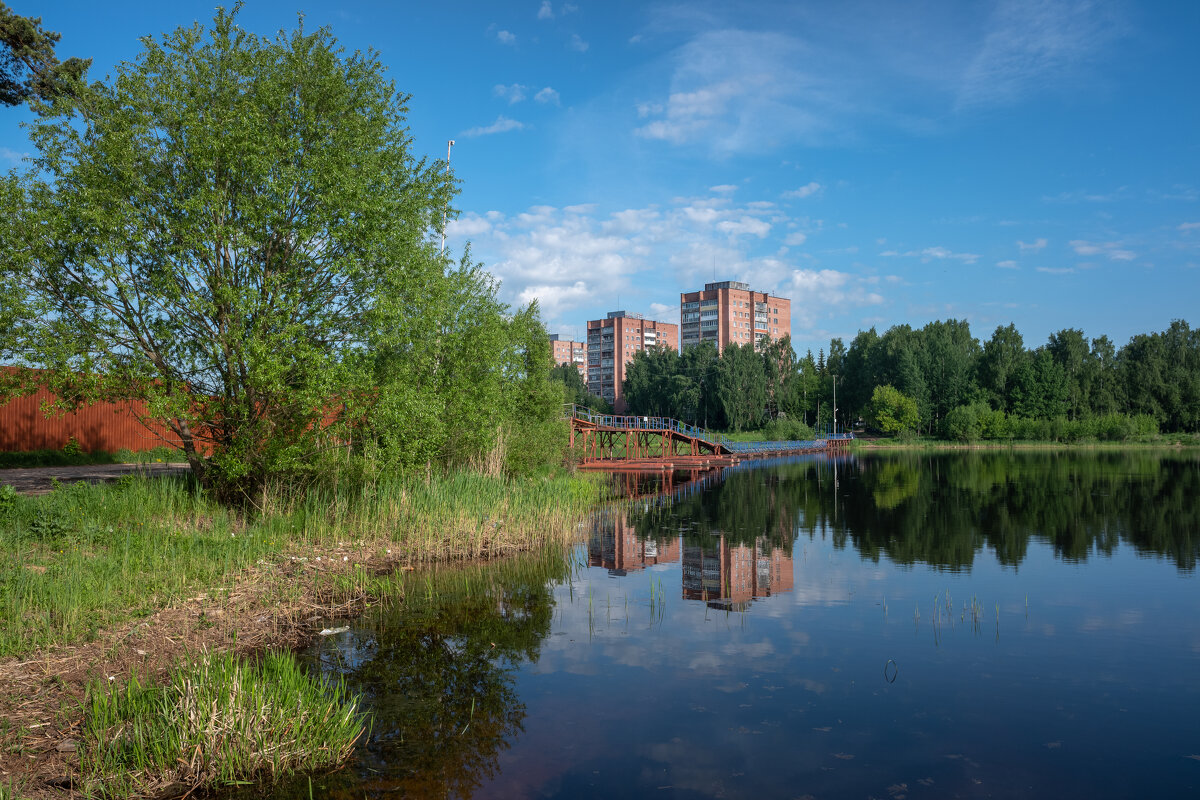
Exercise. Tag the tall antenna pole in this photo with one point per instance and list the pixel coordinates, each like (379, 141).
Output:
(446, 210)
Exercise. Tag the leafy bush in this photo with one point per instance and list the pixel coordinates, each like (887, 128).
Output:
(787, 430)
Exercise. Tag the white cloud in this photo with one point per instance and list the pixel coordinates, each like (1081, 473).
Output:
(554, 300)
(1034, 246)
(504, 37)
(1114, 250)
(468, 225)
(933, 253)
(577, 258)
(746, 226)
(807, 190)
(723, 188)
(1056, 270)
(647, 109)
(1034, 43)
(577, 44)
(547, 95)
(12, 155)
(514, 93)
(1007, 265)
(502, 125)
(546, 11)
(1185, 226)
(810, 289)
(664, 312)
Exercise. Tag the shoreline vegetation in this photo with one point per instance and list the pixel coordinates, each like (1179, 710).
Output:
(110, 595)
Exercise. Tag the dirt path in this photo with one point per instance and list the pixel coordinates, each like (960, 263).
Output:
(37, 480)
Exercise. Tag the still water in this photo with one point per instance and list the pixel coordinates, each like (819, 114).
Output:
(978, 625)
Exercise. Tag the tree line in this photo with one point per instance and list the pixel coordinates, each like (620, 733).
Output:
(936, 380)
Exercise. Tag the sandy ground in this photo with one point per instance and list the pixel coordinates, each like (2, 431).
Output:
(36, 480)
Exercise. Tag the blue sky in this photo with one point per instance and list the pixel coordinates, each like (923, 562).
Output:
(1026, 161)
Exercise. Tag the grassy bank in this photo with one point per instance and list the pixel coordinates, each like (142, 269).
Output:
(929, 443)
(83, 558)
(102, 583)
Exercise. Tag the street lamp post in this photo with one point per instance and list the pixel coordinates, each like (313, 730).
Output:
(835, 377)
(446, 210)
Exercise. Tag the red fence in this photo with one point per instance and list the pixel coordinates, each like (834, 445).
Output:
(99, 427)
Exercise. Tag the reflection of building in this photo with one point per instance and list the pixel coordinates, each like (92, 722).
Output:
(615, 545)
(568, 352)
(729, 577)
(612, 343)
(728, 312)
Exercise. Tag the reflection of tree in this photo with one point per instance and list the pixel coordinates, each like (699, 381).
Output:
(437, 676)
(941, 509)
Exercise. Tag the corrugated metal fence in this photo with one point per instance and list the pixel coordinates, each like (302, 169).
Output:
(99, 427)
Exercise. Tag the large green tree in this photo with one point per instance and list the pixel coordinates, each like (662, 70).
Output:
(236, 231)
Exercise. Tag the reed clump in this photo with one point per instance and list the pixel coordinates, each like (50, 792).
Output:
(217, 721)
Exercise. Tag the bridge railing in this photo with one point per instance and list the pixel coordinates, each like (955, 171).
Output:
(634, 422)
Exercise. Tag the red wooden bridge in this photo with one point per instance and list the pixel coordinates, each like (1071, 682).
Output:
(612, 441)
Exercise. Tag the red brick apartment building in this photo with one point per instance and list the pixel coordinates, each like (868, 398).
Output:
(612, 343)
(568, 352)
(730, 577)
(730, 312)
(616, 546)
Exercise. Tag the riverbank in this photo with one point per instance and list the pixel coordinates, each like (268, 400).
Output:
(99, 583)
(1183, 440)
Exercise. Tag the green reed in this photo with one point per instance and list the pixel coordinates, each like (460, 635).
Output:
(218, 721)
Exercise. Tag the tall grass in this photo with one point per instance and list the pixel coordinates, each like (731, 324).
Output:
(218, 721)
(83, 558)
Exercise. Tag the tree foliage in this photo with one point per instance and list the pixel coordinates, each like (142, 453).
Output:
(575, 389)
(892, 412)
(236, 231)
(1005, 390)
(29, 67)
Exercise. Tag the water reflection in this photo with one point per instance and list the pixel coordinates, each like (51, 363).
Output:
(604, 673)
(437, 676)
(941, 509)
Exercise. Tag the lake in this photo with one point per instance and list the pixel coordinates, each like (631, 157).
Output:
(983, 624)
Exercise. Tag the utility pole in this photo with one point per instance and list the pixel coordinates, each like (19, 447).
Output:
(446, 210)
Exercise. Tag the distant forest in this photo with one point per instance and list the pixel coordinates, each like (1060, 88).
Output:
(937, 380)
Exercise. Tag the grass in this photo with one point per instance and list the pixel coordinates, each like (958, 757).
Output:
(74, 456)
(84, 558)
(218, 721)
